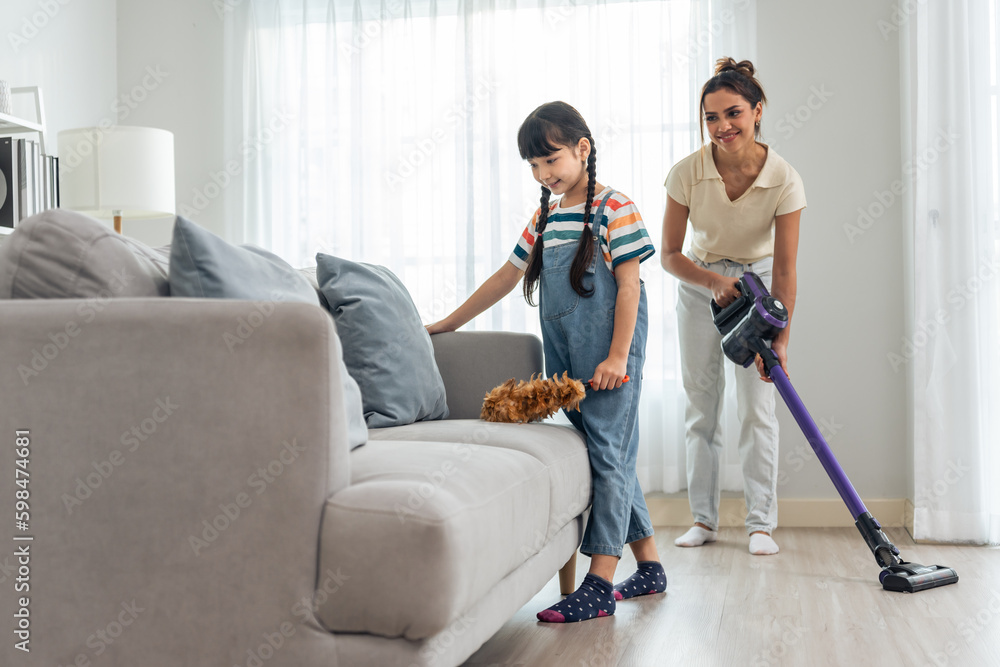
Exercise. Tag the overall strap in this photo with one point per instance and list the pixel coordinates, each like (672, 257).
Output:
(595, 231)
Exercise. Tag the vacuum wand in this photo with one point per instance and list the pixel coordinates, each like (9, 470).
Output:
(747, 325)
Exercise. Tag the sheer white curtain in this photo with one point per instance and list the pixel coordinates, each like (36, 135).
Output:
(949, 58)
(385, 132)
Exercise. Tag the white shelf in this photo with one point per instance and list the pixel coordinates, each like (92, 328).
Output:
(13, 125)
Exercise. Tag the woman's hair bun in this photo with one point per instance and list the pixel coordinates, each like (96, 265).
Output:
(744, 67)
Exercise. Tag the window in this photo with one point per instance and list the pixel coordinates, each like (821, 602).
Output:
(995, 138)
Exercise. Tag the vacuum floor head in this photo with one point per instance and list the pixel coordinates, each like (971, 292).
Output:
(914, 577)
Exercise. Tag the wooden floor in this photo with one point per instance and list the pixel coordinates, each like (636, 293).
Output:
(818, 602)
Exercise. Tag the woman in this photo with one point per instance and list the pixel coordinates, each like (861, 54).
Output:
(744, 203)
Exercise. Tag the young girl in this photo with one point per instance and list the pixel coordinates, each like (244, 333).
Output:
(583, 252)
(744, 203)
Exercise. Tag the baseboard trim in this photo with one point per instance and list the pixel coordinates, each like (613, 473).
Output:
(908, 517)
(792, 512)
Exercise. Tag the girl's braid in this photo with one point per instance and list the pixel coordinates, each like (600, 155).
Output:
(591, 182)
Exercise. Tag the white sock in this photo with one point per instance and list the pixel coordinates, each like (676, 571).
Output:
(761, 544)
(695, 537)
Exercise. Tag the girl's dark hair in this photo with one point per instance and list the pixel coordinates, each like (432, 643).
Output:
(737, 77)
(547, 129)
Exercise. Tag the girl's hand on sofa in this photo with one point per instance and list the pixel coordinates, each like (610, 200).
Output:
(437, 327)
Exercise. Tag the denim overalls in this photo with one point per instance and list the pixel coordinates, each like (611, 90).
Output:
(577, 337)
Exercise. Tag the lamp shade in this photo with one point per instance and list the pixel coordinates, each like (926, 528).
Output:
(120, 168)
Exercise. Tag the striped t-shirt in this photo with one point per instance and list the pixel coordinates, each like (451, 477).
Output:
(623, 236)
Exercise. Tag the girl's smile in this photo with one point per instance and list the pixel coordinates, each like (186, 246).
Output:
(564, 172)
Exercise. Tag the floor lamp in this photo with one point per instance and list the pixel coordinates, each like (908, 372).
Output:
(117, 172)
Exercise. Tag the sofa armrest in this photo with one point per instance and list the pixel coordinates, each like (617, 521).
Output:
(181, 451)
(473, 362)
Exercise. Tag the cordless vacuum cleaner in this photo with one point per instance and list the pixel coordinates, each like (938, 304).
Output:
(747, 326)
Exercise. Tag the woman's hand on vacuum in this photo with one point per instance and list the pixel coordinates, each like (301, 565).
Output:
(780, 348)
(609, 373)
(724, 290)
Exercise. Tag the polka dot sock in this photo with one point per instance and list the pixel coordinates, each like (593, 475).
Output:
(595, 597)
(649, 579)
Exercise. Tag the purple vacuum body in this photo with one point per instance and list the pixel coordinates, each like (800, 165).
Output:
(747, 326)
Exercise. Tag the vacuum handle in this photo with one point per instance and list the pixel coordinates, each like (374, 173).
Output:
(727, 318)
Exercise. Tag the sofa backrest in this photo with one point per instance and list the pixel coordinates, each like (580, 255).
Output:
(474, 362)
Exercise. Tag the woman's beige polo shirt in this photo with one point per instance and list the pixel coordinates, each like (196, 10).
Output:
(741, 230)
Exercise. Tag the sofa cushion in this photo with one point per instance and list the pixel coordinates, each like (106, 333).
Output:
(386, 347)
(203, 265)
(425, 530)
(59, 254)
(310, 274)
(561, 449)
(207, 266)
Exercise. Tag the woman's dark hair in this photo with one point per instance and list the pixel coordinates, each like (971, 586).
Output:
(547, 129)
(737, 77)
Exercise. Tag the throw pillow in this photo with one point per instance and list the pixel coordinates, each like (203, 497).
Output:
(205, 265)
(60, 254)
(386, 347)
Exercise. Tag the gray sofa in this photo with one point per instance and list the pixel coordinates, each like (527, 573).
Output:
(190, 505)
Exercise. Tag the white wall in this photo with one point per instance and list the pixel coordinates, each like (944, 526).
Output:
(182, 40)
(68, 49)
(830, 67)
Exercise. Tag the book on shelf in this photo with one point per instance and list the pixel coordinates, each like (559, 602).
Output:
(9, 186)
(29, 180)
